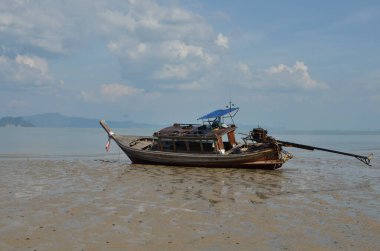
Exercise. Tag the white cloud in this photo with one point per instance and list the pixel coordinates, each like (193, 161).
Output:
(156, 44)
(24, 70)
(245, 70)
(279, 77)
(8, 20)
(117, 19)
(179, 50)
(88, 96)
(279, 68)
(293, 76)
(48, 27)
(34, 62)
(147, 21)
(28, 25)
(152, 41)
(160, 42)
(192, 86)
(133, 51)
(118, 90)
(222, 41)
(110, 92)
(172, 72)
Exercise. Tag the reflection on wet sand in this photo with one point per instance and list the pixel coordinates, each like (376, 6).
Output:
(101, 205)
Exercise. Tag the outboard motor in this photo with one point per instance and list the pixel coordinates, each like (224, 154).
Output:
(260, 135)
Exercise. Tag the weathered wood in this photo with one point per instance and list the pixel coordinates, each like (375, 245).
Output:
(265, 156)
(234, 148)
(231, 137)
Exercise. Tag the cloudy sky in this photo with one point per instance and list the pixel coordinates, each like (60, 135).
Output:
(294, 64)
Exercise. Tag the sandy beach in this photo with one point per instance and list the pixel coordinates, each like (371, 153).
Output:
(112, 205)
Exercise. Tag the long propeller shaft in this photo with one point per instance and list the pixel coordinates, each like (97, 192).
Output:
(366, 160)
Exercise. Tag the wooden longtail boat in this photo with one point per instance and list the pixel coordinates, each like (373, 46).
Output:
(210, 144)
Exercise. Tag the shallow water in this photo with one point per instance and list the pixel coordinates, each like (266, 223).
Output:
(87, 200)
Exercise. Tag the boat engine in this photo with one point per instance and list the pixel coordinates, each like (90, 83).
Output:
(260, 135)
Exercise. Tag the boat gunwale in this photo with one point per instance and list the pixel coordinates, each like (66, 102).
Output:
(186, 154)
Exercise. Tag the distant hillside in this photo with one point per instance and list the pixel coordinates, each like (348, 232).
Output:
(14, 122)
(59, 120)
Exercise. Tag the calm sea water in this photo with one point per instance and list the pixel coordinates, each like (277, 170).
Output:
(58, 142)
(317, 200)
(87, 142)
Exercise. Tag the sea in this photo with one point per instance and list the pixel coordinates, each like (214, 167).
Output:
(60, 189)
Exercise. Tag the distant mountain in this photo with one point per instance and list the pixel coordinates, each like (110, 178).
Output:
(59, 120)
(14, 122)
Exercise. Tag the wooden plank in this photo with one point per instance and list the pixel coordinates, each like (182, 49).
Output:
(234, 148)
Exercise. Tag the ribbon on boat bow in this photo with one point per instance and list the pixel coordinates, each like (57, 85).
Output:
(110, 136)
(108, 144)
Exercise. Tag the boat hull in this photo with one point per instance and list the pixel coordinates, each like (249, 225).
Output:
(262, 158)
(140, 150)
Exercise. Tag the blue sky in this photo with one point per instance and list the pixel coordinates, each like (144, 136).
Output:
(291, 64)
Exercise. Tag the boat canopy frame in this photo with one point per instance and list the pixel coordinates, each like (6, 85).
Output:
(219, 115)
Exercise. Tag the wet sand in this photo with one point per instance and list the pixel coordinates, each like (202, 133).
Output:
(111, 205)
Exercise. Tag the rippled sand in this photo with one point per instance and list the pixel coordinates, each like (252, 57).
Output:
(112, 205)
